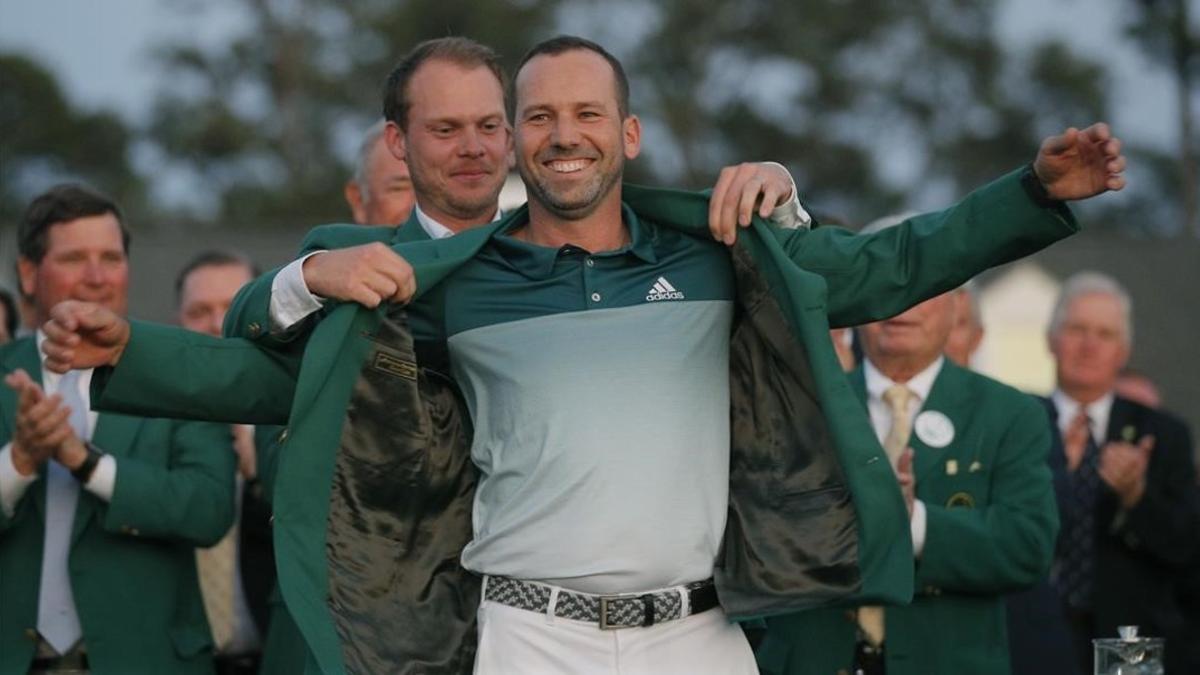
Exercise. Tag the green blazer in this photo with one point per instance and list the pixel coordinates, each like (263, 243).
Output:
(990, 530)
(815, 515)
(132, 560)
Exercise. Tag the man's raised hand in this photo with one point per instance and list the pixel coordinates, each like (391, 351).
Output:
(369, 275)
(83, 335)
(1080, 164)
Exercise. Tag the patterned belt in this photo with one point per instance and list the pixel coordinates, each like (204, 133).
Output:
(609, 611)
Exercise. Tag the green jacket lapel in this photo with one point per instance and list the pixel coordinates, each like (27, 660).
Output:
(410, 230)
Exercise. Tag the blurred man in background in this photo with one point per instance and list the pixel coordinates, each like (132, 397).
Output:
(970, 455)
(1126, 489)
(99, 513)
(238, 573)
(381, 190)
(9, 317)
(967, 333)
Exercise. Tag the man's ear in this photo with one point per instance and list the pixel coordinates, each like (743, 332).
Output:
(393, 135)
(354, 197)
(27, 276)
(631, 133)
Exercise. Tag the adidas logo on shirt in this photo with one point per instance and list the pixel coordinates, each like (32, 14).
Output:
(663, 290)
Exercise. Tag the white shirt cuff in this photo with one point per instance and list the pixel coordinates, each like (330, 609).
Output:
(291, 301)
(917, 524)
(12, 483)
(104, 478)
(790, 215)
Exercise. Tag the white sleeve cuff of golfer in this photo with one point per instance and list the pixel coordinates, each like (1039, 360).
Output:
(790, 215)
(12, 483)
(291, 301)
(104, 478)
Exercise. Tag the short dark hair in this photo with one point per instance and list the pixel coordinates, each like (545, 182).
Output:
(212, 258)
(11, 313)
(569, 43)
(461, 51)
(62, 204)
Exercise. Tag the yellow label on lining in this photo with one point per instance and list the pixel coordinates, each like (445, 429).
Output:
(394, 366)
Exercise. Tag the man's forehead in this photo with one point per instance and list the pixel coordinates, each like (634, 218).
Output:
(86, 231)
(1094, 307)
(444, 88)
(572, 77)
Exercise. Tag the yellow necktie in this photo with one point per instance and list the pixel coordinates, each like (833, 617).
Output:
(215, 565)
(897, 396)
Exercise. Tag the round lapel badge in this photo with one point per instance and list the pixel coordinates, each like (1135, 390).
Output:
(934, 429)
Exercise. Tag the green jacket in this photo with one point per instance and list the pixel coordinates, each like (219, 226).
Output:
(375, 483)
(990, 530)
(132, 560)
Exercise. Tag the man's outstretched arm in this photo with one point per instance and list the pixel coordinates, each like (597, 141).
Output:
(877, 276)
(154, 370)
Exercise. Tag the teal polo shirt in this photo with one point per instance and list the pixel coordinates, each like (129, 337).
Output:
(598, 388)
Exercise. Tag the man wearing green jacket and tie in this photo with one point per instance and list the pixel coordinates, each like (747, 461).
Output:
(787, 502)
(971, 460)
(100, 514)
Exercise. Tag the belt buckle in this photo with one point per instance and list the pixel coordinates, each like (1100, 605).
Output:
(604, 624)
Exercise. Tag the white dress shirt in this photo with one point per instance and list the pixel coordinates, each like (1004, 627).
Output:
(881, 419)
(104, 478)
(1097, 411)
(292, 302)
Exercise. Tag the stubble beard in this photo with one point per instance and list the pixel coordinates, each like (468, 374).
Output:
(581, 201)
(465, 207)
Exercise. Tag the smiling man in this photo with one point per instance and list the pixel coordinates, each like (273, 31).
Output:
(99, 513)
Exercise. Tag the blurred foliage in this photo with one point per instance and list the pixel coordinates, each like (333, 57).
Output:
(43, 141)
(1170, 37)
(874, 105)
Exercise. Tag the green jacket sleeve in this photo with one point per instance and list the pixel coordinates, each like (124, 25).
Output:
(191, 498)
(873, 277)
(1007, 544)
(249, 315)
(168, 371)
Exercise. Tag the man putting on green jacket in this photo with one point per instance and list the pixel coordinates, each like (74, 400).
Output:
(658, 422)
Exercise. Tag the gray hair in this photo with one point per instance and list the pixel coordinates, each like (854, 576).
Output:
(363, 159)
(1088, 283)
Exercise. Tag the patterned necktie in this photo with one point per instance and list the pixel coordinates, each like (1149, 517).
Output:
(215, 566)
(1072, 574)
(870, 618)
(58, 620)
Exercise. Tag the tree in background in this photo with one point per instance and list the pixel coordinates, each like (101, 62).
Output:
(44, 140)
(875, 106)
(1166, 33)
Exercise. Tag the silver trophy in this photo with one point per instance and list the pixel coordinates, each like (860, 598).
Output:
(1129, 654)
